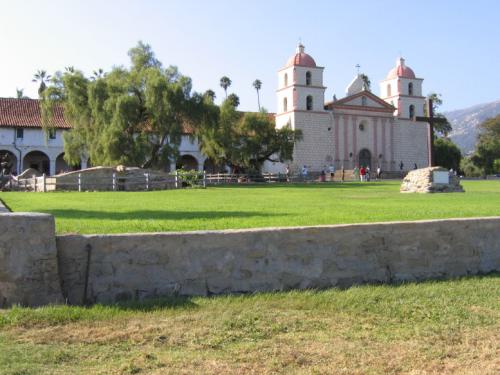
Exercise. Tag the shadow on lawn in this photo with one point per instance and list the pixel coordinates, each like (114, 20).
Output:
(312, 185)
(154, 214)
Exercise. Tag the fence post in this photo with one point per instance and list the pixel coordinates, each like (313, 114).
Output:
(34, 183)
(113, 182)
(204, 179)
(79, 182)
(147, 180)
(44, 183)
(176, 180)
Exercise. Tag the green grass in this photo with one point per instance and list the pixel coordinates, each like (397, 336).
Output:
(433, 327)
(253, 206)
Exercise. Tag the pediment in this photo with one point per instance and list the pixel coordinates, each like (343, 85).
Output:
(356, 101)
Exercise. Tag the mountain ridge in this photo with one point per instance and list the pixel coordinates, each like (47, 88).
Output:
(466, 121)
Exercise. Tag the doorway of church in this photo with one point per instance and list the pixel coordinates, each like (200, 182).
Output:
(365, 158)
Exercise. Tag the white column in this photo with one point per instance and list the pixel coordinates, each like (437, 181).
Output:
(83, 163)
(201, 163)
(52, 170)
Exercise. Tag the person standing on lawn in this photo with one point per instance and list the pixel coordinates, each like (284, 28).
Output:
(331, 168)
(362, 173)
(355, 173)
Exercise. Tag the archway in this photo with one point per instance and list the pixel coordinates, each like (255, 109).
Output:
(37, 160)
(63, 167)
(10, 159)
(365, 158)
(187, 162)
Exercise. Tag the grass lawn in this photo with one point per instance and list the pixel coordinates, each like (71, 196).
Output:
(253, 206)
(434, 327)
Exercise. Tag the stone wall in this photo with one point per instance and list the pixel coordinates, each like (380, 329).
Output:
(240, 261)
(28, 260)
(109, 268)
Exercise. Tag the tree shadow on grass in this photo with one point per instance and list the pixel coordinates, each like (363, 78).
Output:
(70, 213)
(311, 185)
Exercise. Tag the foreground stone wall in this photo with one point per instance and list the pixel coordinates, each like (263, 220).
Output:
(38, 268)
(28, 260)
(239, 261)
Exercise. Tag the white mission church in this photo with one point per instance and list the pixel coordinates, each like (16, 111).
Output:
(360, 129)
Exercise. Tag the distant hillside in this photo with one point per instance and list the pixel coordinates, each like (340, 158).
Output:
(465, 123)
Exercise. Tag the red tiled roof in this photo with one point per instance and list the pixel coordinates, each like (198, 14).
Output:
(26, 113)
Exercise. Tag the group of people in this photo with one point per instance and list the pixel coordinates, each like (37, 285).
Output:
(363, 173)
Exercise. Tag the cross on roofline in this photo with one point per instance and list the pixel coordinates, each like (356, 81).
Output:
(357, 67)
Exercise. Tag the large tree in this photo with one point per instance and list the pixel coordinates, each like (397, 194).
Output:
(244, 141)
(129, 116)
(488, 145)
(447, 154)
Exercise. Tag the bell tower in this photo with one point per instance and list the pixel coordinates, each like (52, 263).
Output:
(300, 87)
(404, 91)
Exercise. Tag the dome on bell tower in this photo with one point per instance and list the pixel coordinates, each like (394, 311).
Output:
(301, 58)
(401, 70)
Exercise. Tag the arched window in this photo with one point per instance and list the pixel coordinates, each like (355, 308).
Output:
(410, 88)
(309, 103)
(389, 90)
(285, 104)
(363, 100)
(412, 111)
(308, 78)
(286, 80)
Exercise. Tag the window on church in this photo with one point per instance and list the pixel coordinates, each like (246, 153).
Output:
(410, 88)
(388, 90)
(285, 104)
(309, 103)
(286, 80)
(19, 133)
(363, 100)
(412, 111)
(308, 78)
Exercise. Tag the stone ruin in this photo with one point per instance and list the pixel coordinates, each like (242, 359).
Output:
(431, 180)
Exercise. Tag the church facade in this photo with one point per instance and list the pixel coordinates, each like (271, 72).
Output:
(361, 129)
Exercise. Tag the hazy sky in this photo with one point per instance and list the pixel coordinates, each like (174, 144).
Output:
(453, 45)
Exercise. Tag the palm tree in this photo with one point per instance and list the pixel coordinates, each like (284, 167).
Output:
(99, 73)
(20, 94)
(210, 94)
(225, 82)
(42, 77)
(257, 84)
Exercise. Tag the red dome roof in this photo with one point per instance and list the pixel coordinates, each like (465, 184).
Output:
(301, 58)
(401, 70)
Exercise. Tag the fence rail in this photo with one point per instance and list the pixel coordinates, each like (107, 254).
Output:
(150, 181)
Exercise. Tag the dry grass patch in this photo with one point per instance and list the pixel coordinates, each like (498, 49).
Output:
(448, 327)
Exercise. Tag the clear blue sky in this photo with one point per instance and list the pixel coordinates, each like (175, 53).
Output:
(453, 45)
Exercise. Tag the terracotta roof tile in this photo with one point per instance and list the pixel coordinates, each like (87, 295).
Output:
(26, 113)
